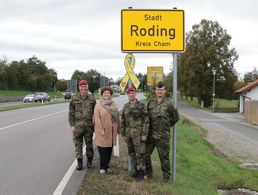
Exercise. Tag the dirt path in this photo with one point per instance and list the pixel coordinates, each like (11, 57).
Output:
(232, 146)
(228, 144)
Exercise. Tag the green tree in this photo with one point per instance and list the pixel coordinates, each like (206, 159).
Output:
(23, 76)
(168, 80)
(143, 81)
(251, 76)
(92, 76)
(13, 72)
(31, 75)
(207, 50)
(53, 79)
(61, 85)
(78, 75)
(3, 74)
(40, 74)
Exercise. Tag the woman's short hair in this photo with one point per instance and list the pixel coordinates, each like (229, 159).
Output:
(106, 89)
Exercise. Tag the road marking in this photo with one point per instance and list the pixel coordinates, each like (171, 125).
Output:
(27, 121)
(60, 188)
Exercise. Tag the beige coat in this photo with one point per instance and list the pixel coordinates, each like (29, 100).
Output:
(105, 135)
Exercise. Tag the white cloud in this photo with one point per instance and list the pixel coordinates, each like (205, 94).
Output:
(80, 34)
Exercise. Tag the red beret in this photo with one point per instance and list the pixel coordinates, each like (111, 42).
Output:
(83, 82)
(130, 89)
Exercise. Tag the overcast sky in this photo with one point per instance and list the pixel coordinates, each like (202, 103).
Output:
(85, 34)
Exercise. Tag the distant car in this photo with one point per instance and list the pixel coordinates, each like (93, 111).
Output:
(28, 98)
(46, 97)
(38, 97)
(67, 95)
(122, 93)
(41, 96)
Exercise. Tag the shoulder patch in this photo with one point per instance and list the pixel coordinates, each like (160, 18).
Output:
(91, 97)
(75, 97)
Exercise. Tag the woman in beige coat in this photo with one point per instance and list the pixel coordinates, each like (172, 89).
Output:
(107, 126)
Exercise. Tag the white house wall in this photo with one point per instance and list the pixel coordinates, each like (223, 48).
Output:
(253, 94)
(241, 106)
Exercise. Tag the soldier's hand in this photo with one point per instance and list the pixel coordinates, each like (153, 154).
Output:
(72, 129)
(144, 138)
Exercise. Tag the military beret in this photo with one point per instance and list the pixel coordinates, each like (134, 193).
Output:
(83, 82)
(160, 85)
(130, 89)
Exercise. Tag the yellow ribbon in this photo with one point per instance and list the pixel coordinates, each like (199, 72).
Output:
(129, 66)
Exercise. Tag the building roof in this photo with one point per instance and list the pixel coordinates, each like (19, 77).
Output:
(248, 87)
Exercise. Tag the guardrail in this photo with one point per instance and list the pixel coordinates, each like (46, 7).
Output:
(11, 98)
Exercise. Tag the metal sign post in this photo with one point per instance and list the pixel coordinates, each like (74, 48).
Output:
(174, 127)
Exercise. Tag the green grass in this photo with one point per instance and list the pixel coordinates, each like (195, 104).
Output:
(194, 102)
(24, 93)
(220, 104)
(27, 105)
(198, 171)
(14, 93)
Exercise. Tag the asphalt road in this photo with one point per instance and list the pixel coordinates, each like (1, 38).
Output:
(37, 151)
(233, 123)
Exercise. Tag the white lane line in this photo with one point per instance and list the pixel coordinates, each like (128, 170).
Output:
(60, 188)
(27, 121)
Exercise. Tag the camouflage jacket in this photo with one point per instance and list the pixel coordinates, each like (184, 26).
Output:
(81, 111)
(162, 116)
(135, 120)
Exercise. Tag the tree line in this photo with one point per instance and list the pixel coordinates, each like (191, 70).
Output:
(30, 75)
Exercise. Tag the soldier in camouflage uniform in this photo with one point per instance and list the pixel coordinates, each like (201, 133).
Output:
(134, 127)
(163, 115)
(81, 122)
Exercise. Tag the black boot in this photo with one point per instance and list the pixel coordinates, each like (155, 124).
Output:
(89, 163)
(165, 179)
(140, 176)
(135, 173)
(149, 173)
(79, 165)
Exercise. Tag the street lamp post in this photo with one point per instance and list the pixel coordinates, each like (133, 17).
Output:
(213, 94)
(142, 84)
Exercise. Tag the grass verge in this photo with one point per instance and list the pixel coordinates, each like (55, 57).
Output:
(220, 104)
(28, 105)
(24, 93)
(200, 170)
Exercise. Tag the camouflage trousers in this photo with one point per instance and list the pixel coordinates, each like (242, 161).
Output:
(163, 148)
(78, 135)
(136, 149)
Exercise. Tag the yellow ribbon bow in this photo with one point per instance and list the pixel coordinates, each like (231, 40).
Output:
(129, 66)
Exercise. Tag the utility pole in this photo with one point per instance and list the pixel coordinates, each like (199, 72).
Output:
(213, 94)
